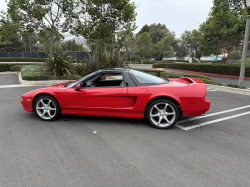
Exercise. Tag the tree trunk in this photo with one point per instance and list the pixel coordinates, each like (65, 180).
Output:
(216, 60)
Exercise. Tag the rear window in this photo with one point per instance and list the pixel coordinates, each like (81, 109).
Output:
(144, 78)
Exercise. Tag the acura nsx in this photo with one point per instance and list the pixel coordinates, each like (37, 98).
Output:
(121, 93)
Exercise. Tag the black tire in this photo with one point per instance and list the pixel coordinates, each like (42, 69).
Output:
(47, 108)
(155, 115)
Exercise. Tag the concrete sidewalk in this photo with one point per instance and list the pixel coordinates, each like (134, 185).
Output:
(222, 80)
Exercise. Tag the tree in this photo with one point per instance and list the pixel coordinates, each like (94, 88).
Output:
(71, 45)
(99, 20)
(224, 27)
(192, 42)
(156, 31)
(41, 18)
(130, 45)
(144, 44)
(180, 48)
(145, 28)
(163, 48)
(9, 37)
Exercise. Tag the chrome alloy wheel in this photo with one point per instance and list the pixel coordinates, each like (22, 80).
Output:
(162, 114)
(46, 108)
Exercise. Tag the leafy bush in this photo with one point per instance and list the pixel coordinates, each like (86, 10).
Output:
(116, 60)
(206, 68)
(153, 73)
(7, 67)
(16, 67)
(59, 64)
(20, 59)
(136, 58)
(95, 62)
(34, 72)
(170, 75)
(236, 86)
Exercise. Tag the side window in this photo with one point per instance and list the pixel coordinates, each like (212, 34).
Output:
(105, 80)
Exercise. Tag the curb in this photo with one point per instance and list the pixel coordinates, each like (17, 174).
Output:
(210, 74)
(228, 89)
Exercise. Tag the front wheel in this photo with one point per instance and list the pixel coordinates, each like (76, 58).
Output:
(47, 108)
(162, 114)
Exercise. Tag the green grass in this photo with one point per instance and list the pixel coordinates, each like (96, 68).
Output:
(247, 62)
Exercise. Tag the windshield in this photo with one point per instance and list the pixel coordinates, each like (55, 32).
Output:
(144, 78)
(74, 83)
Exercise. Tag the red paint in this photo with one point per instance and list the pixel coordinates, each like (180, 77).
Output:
(125, 102)
(209, 74)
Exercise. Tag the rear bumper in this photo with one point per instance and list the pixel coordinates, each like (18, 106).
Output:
(205, 106)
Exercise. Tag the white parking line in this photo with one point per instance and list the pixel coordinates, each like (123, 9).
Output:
(213, 121)
(214, 114)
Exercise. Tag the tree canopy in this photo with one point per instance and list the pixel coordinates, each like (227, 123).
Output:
(224, 27)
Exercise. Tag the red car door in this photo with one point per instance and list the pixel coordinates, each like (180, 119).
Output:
(99, 101)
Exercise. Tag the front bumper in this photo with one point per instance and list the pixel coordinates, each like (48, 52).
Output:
(27, 104)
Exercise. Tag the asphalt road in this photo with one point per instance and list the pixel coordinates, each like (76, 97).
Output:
(123, 152)
(8, 79)
(222, 80)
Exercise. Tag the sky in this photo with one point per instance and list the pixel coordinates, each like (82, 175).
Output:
(177, 15)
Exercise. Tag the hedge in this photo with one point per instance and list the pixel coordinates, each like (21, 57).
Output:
(236, 86)
(8, 67)
(206, 68)
(20, 59)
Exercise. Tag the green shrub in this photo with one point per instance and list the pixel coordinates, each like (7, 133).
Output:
(206, 68)
(20, 59)
(59, 64)
(153, 73)
(207, 81)
(34, 72)
(170, 75)
(7, 67)
(236, 86)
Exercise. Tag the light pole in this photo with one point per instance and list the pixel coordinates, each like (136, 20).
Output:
(244, 54)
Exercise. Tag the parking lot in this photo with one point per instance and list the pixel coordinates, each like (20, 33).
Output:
(211, 150)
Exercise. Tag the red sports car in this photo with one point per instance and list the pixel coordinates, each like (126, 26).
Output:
(121, 93)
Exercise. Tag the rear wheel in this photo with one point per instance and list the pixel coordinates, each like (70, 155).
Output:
(47, 108)
(162, 114)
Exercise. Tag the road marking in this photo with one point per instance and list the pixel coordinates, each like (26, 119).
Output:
(214, 114)
(17, 86)
(213, 121)
(212, 90)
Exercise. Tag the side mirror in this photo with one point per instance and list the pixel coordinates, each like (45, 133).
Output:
(78, 87)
